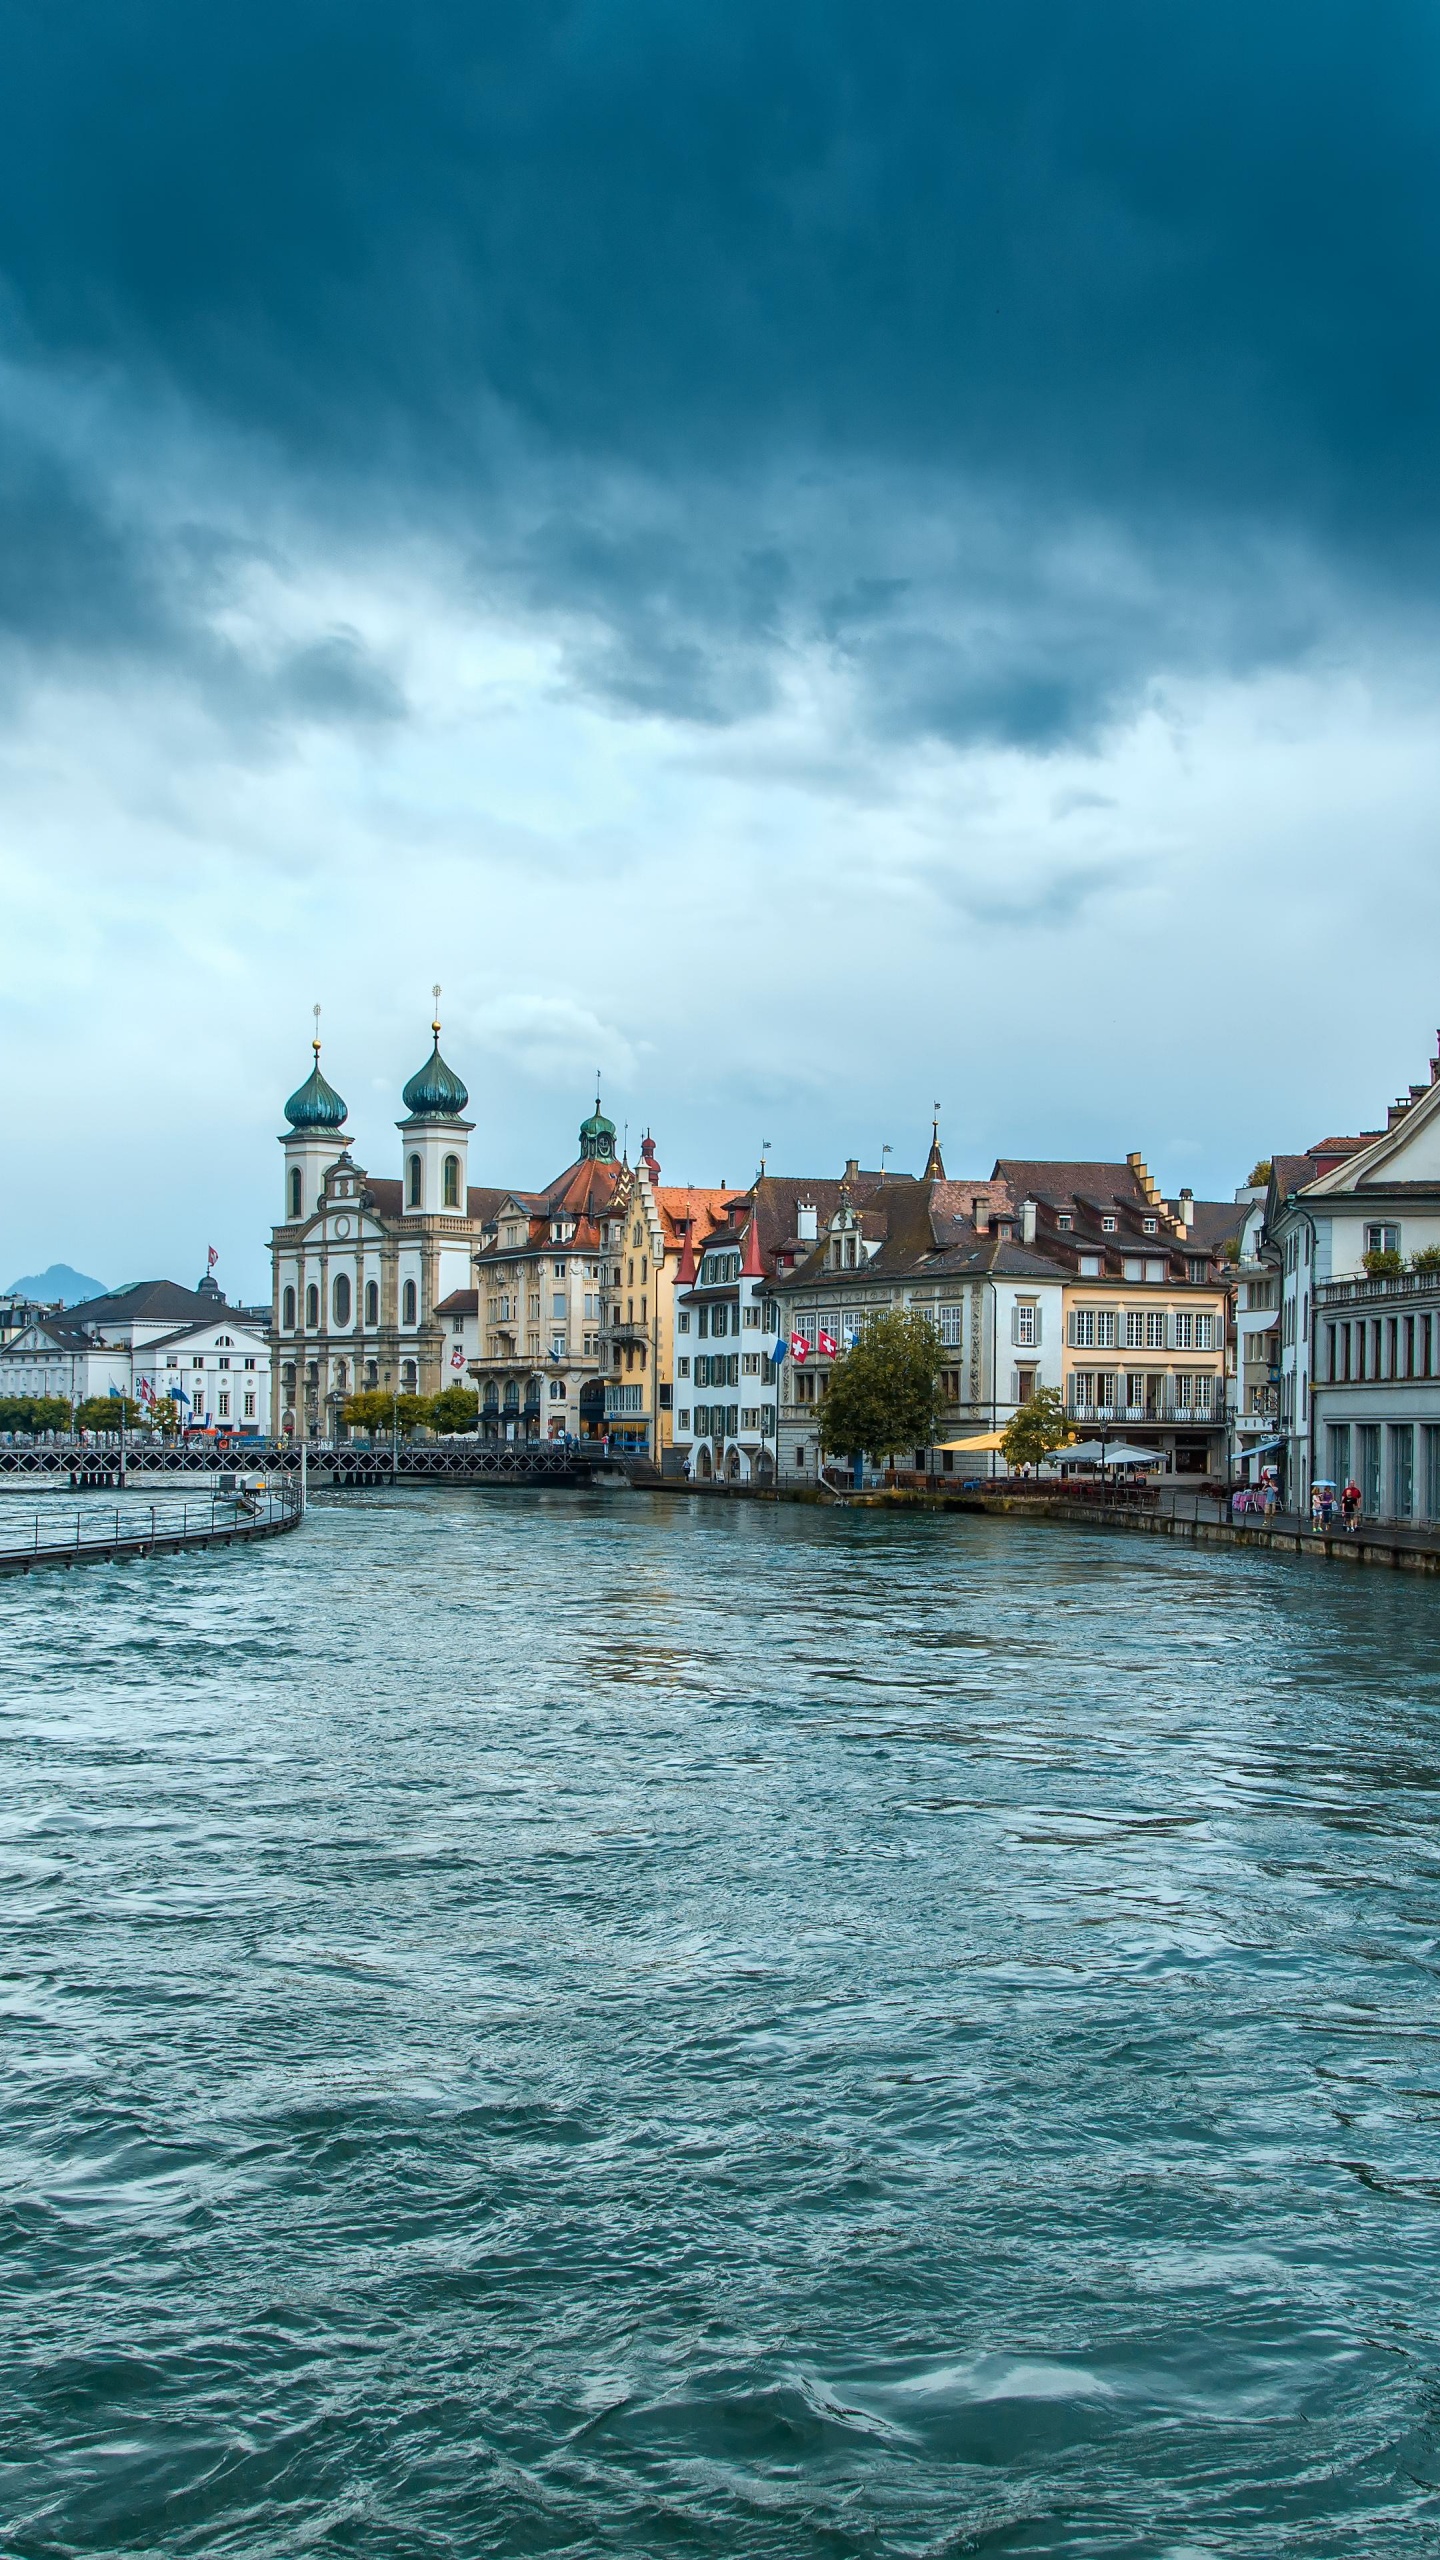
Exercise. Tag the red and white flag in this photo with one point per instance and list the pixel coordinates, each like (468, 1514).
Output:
(457, 1358)
(211, 1258)
(826, 1344)
(799, 1347)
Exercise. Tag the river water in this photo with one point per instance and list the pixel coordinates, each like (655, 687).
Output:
(590, 2024)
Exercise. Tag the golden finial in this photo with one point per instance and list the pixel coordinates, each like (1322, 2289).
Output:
(315, 1043)
(435, 1025)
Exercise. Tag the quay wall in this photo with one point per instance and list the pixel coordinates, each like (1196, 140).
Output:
(1375, 1543)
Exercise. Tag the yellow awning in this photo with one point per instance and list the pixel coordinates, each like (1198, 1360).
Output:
(983, 1440)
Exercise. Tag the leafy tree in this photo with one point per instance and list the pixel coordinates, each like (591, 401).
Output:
(34, 1413)
(454, 1409)
(104, 1413)
(379, 1413)
(1037, 1430)
(164, 1417)
(1260, 1172)
(1382, 1266)
(885, 1393)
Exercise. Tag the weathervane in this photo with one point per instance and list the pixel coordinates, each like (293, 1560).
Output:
(315, 1043)
(435, 1025)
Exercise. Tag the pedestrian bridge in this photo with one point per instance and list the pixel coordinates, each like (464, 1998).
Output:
(342, 1462)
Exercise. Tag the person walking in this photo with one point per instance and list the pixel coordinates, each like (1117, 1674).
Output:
(1350, 1504)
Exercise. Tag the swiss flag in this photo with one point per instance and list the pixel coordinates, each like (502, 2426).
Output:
(799, 1347)
(826, 1344)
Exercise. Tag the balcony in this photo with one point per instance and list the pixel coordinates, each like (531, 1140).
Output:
(1207, 1417)
(629, 1333)
(1363, 1291)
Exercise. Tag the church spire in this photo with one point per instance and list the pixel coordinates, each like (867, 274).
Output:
(934, 1162)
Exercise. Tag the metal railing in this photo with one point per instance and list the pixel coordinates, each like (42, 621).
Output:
(1210, 1415)
(134, 1526)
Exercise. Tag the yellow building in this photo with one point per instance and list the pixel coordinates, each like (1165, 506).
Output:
(1145, 1303)
(650, 1237)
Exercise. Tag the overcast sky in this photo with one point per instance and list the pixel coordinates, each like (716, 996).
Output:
(815, 559)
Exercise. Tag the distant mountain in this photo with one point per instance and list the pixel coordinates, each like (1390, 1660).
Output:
(60, 1284)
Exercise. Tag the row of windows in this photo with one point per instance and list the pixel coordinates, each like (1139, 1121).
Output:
(414, 1186)
(341, 1302)
(1141, 1329)
(1363, 1453)
(1138, 1393)
(719, 1421)
(721, 1369)
(1383, 1347)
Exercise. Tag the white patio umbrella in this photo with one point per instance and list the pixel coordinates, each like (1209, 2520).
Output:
(1109, 1453)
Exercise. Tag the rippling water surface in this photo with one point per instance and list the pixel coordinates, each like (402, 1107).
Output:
(581, 2024)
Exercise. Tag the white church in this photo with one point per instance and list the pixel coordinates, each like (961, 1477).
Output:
(362, 1263)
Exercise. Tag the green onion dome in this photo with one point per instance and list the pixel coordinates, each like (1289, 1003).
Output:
(436, 1093)
(597, 1137)
(317, 1105)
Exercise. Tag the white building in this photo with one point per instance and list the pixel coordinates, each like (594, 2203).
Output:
(362, 1265)
(1358, 1246)
(153, 1338)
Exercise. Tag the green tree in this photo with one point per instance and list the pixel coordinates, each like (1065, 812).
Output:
(1037, 1430)
(34, 1413)
(376, 1411)
(164, 1417)
(885, 1394)
(454, 1409)
(1260, 1172)
(104, 1413)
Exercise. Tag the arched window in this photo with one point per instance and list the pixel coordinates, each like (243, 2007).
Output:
(372, 1301)
(294, 1191)
(407, 1377)
(287, 1310)
(407, 1303)
(287, 1377)
(413, 1182)
(450, 1182)
(340, 1297)
(312, 1308)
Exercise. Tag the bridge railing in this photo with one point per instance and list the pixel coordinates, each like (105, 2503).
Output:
(455, 1458)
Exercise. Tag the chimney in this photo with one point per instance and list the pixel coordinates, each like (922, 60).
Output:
(852, 1169)
(1027, 1221)
(1397, 1110)
(1187, 1209)
(806, 1223)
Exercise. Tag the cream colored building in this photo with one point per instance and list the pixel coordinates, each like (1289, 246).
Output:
(360, 1263)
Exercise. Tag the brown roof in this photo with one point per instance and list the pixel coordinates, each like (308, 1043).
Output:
(461, 1302)
(1028, 1178)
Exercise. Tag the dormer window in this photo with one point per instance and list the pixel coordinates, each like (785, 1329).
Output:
(1065, 1222)
(1150, 1226)
(1108, 1226)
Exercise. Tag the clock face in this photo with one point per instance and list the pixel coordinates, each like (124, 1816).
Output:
(342, 1226)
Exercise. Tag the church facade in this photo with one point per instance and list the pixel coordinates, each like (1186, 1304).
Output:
(361, 1263)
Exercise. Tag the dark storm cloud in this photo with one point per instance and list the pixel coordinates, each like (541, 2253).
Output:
(682, 322)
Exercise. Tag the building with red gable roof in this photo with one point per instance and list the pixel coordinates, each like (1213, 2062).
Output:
(539, 1278)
